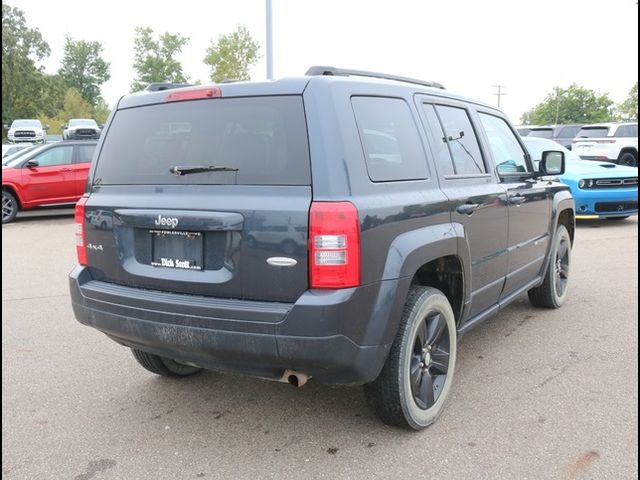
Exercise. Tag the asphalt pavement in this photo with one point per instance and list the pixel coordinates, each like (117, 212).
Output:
(538, 394)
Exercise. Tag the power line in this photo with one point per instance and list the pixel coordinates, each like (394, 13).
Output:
(500, 93)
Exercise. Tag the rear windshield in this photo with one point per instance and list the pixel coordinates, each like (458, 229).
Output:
(593, 132)
(541, 133)
(264, 138)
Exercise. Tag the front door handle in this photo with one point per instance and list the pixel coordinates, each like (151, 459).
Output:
(467, 208)
(517, 199)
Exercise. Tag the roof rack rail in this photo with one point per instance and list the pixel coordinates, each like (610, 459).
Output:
(345, 72)
(159, 86)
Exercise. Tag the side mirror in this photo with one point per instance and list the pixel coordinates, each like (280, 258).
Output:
(552, 163)
(101, 126)
(46, 127)
(31, 164)
(6, 127)
(64, 127)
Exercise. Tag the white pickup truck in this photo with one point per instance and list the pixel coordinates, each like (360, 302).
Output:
(608, 142)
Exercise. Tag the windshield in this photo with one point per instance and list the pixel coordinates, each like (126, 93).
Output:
(26, 123)
(76, 122)
(237, 141)
(16, 158)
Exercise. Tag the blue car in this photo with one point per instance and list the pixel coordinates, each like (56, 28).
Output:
(600, 189)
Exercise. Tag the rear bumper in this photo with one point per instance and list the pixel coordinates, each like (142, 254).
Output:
(339, 337)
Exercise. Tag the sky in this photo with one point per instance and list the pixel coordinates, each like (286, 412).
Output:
(469, 46)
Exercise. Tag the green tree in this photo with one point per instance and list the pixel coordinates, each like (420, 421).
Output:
(574, 104)
(22, 78)
(232, 55)
(628, 110)
(101, 111)
(155, 58)
(74, 106)
(52, 92)
(84, 69)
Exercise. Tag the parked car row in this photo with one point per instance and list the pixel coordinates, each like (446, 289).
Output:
(32, 131)
(600, 189)
(607, 142)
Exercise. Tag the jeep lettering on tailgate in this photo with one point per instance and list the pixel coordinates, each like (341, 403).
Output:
(166, 221)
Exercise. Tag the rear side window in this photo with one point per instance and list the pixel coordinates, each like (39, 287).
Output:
(390, 139)
(593, 132)
(461, 139)
(627, 131)
(264, 138)
(85, 153)
(541, 133)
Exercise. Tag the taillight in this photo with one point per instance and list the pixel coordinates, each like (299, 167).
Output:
(80, 231)
(334, 245)
(194, 94)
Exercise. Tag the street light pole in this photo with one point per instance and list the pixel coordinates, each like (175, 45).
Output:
(269, 42)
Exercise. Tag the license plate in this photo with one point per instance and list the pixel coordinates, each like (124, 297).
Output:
(176, 249)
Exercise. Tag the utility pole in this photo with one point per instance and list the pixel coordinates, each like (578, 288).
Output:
(500, 92)
(269, 42)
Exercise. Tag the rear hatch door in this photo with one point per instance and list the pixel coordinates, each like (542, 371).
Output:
(206, 197)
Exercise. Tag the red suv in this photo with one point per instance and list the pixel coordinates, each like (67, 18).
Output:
(53, 174)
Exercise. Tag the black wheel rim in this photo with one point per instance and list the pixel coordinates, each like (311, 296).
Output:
(8, 206)
(429, 360)
(562, 266)
(628, 160)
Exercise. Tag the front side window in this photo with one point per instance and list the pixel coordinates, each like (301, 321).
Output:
(55, 156)
(461, 139)
(505, 148)
(390, 140)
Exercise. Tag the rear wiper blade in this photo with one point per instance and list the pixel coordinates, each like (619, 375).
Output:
(178, 170)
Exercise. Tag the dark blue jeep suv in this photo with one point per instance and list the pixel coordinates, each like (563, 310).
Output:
(344, 226)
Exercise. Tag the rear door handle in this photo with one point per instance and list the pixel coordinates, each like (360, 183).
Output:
(467, 208)
(517, 199)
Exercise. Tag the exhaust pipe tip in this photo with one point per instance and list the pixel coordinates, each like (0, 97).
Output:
(296, 379)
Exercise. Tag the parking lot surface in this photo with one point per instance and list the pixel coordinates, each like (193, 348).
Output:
(537, 394)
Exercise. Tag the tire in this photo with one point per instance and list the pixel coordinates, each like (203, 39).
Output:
(628, 159)
(553, 290)
(618, 218)
(10, 207)
(407, 393)
(103, 225)
(163, 366)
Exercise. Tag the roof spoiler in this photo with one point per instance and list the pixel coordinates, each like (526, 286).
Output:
(344, 72)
